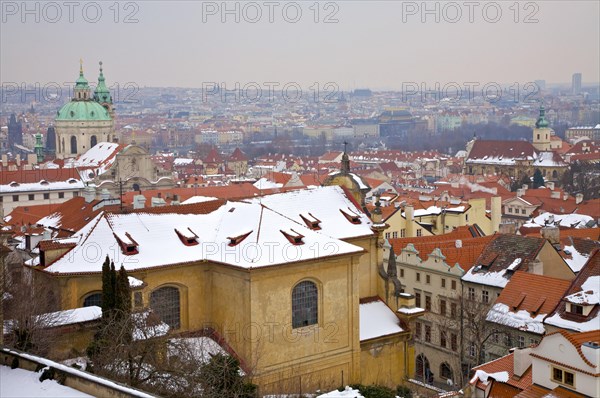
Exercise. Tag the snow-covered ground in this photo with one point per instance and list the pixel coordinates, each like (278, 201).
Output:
(23, 383)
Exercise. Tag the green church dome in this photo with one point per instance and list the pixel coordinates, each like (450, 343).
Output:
(82, 110)
(542, 123)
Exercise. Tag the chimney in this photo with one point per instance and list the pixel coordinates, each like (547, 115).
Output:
(4, 160)
(32, 158)
(454, 184)
(578, 198)
(105, 195)
(47, 234)
(565, 196)
(522, 361)
(139, 201)
(458, 243)
(496, 204)
(555, 194)
(551, 233)
(409, 212)
(89, 193)
(520, 192)
(524, 186)
(550, 185)
(18, 160)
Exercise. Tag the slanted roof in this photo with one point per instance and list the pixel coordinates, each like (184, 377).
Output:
(502, 253)
(500, 152)
(237, 156)
(585, 288)
(506, 364)
(526, 300)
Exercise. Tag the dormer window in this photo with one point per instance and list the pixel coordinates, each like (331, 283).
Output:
(236, 240)
(44, 182)
(128, 245)
(311, 221)
(351, 216)
(576, 309)
(294, 237)
(187, 236)
(72, 181)
(14, 184)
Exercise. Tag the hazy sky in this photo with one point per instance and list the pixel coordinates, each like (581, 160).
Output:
(377, 44)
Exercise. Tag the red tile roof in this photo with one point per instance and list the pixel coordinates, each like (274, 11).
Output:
(536, 294)
(37, 175)
(504, 149)
(238, 156)
(507, 364)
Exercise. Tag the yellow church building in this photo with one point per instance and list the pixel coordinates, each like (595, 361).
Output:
(291, 282)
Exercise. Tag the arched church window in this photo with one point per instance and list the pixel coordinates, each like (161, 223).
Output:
(93, 141)
(93, 299)
(73, 144)
(305, 309)
(166, 304)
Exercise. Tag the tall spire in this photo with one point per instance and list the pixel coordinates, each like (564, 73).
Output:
(81, 67)
(542, 122)
(102, 93)
(345, 160)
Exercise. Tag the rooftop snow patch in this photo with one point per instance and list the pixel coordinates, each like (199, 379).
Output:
(377, 320)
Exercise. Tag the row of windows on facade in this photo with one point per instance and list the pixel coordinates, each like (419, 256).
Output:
(453, 283)
(516, 210)
(166, 303)
(449, 340)
(394, 234)
(32, 196)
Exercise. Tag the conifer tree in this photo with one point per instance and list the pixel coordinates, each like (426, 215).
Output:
(122, 293)
(107, 289)
(538, 179)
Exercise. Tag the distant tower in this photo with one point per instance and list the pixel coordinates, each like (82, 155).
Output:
(576, 84)
(83, 122)
(541, 132)
(15, 131)
(102, 93)
(39, 147)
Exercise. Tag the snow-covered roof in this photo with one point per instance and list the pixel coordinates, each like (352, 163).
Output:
(577, 260)
(324, 203)
(377, 320)
(347, 392)
(198, 199)
(26, 384)
(490, 278)
(263, 183)
(589, 294)
(483, 376)
(157, 243)
(564, 220)
(522, 320)
(62, 318)
(79, 373)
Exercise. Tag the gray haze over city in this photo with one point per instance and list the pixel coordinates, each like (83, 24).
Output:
(378, 44)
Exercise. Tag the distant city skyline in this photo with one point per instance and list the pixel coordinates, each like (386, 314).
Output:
(378, 45)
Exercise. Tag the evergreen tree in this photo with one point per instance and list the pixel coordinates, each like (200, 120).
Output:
(107, 289)
(538, 179)
(122, 293)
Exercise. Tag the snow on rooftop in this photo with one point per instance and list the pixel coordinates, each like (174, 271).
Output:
(23, 383)
(198, 199)
(347, 392)
(564, 220)
(134, 282)
(577, 260)
(522, 320)
(431, 210)
(409, 311)
(158, 244)
(62, 318)
(68, 369)
(377, 320)
(514, 264)
(483, 376)
(263, 183)
(589, 294)
(485, 277)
